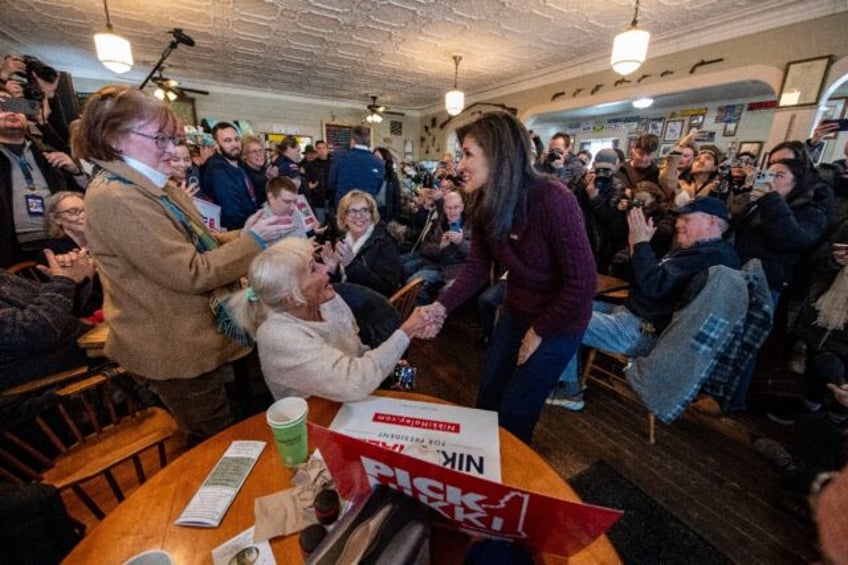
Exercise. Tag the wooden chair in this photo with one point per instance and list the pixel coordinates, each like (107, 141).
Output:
(607, 370)
(27, 270)
(404, 299)
(81, 431)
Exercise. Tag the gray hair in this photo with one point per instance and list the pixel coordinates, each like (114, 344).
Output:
(274, 275)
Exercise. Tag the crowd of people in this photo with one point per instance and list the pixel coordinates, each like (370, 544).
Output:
(108, 210)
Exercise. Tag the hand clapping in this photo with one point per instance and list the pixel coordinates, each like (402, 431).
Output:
(640, 230)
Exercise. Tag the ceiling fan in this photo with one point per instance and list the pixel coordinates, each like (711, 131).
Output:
(376, 111)
(170, 88)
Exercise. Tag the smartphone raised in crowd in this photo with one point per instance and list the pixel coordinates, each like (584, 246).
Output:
(763, 179)
(843, 124)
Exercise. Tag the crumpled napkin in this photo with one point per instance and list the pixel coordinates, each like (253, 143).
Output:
(291, 510)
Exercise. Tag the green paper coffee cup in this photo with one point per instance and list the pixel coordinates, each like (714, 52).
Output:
(287, 419)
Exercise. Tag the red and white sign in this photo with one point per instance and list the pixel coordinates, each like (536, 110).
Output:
(542, 523)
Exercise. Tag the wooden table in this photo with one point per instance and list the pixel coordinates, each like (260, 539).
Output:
(145, 520)
(610, 285)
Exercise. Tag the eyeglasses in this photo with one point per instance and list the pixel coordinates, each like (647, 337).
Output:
(72, 212)
(358, 212)
(161, 140)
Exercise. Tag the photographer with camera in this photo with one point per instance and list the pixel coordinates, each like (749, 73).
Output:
(559, 161)
(597, 191)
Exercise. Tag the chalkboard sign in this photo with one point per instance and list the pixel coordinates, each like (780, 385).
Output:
(337, 137)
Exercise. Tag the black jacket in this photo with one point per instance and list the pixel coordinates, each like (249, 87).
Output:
(777, 231)
(659, 286)
(377, 265)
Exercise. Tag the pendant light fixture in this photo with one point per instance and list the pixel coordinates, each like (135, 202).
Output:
(455, 99)
(113, 50)
(630, 47)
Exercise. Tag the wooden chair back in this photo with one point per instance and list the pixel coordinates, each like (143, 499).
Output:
(27, 270)
(404, 299)
(78, 431)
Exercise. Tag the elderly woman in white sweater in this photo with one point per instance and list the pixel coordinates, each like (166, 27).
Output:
(306, 334)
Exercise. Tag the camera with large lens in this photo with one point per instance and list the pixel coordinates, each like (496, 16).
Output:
(35, 69)
(603, 178)
(555, 154)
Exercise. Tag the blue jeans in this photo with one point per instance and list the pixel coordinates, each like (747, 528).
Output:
(612, 328)
(518, 392)
(433, 281)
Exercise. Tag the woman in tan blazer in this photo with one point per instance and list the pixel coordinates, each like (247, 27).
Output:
(159, 265)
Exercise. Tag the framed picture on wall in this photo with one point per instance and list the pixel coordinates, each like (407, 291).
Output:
(666, 148)
(753, 147)
(803, 81)
(655, 126)
(730, 129)
(673, 130)
(696, 121)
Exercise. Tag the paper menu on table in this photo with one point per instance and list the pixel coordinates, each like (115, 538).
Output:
(207, 507)
(459, 438)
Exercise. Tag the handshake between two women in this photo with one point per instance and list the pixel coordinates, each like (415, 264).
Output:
(425, 321)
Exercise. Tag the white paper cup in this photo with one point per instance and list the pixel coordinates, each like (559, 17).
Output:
(287, 420)
(152, 557)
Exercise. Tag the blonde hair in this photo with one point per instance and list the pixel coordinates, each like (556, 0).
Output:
(347, 199)
(274, 275)
(111, 114)
(251, 139)
(54, 230)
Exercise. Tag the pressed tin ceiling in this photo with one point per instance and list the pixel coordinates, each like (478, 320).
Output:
(400, 50)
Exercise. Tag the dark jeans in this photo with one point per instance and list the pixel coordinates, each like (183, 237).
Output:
(518, 392)
(487, 306)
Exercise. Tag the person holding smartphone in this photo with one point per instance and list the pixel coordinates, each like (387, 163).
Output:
(784, 219)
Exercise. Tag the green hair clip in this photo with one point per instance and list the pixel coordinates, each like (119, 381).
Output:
(251, 296)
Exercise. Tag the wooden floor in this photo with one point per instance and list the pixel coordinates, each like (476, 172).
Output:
(719, 487)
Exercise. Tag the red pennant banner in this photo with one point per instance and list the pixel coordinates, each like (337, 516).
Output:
(473, 504)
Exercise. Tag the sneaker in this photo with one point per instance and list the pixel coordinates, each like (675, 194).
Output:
(773, 451)
(559, 398)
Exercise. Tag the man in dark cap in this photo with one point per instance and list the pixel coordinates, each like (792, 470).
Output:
(657, 287)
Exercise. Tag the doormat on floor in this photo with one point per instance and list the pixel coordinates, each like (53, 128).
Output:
(647, 533)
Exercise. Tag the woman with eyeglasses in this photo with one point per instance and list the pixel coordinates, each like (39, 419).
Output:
(160, 268)
(367, 254)
(253, 163)
(64, 220)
